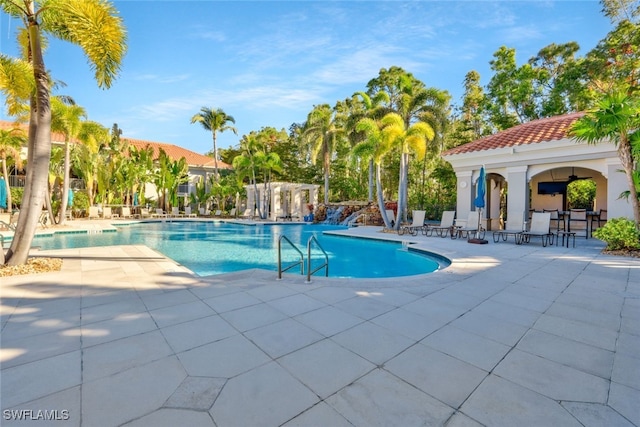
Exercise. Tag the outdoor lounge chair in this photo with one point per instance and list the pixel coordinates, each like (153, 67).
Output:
(125, 212)
(540, 227)
(188, 213)
(94, 212)
(513, 227)
(107, 214)
(43, 219)
(159, 213)
(175, 212)
(8, 221)
(445, 227)
(471, 227)
(415, 226)
(144, 213)
(218, 213)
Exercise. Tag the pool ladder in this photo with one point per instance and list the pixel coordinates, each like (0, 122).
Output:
(300, 262)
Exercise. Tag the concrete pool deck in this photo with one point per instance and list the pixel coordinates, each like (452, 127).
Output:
(507, 335)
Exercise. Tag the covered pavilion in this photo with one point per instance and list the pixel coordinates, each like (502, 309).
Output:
(282, 199)
(536, 161)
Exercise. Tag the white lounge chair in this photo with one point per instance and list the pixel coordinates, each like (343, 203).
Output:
(144, 213)
(94, 212)
(513, 227)
(416, 225)
(540, 227)
(445, 227)
(175, 212)
(471, 227)
(159, 213)
(106, 213)
(187, 212)
(125, 212)
(8, 222)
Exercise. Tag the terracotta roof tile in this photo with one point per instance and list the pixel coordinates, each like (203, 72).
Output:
(549, 129)
(175, 152)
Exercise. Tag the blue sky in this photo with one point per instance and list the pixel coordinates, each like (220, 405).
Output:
(268, 63)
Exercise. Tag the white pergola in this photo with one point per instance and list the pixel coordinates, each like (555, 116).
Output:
(520, 158)
(286, 198)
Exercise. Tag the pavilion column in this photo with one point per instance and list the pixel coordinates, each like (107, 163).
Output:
(296, 203)
(616, 184)
(276, 202)
(465, 193)
(518, 190)
(251, 199)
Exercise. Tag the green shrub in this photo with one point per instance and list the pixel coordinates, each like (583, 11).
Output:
(619, 234)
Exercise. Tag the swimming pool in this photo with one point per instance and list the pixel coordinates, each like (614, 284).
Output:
(208, 248)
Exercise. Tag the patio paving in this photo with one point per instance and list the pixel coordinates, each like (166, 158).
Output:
(506, 335)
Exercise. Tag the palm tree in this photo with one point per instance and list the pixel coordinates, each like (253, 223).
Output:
(408, 139)
(375, 147)
(66, 119)
(86, 156)
(616, 119)
(95, 26)
(214, 121)
(11, 142)
(322, 134)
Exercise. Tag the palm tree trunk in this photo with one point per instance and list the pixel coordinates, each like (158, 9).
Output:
(39, 155)
(370, 180)
(626, 158)
(5, 174)
(215, 157)
(402, 185)
(65, 184)
(326, 176)
(381, 207)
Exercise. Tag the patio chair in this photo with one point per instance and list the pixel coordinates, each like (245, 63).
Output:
(125, 212)
(514, 227)
(556, 219)
(218, 213)
(175, 212)
(445, 227)
(43, 219)
(144, 213)
(540, 227)
(159, 213)
(106, 213)
(471, 227)
(8, 222)
(188, 213)
(416, 225)
(578, 221)
(232, 213)
(94, 212)
(599, 218)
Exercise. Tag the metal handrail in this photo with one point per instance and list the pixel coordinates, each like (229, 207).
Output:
(326, 259)
(301, 262)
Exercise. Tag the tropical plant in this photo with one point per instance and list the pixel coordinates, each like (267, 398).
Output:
(619, 234)
(86, 157)
(67, 119)
(95, 26)
(11, 142)
(616, 119)
(321, 134)
(215, 121)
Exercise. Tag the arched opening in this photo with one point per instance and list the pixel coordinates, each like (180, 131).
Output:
(568, 187)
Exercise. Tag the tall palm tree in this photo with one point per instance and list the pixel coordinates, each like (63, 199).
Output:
(95, 26)
(407, 139)
(615, 119)
(11, 142)
(322, 134)
(375, 147)
(86, 156)
(215, 121)
(66, 119)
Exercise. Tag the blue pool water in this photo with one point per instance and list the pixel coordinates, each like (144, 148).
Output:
(208, 248)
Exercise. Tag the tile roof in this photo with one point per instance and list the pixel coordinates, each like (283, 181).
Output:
(542, 130)
(175, 152)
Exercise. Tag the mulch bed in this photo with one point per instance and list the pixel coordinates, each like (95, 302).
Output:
(33, 266)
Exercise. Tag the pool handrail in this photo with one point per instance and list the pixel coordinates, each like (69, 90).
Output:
(326, 259)
(301, 262)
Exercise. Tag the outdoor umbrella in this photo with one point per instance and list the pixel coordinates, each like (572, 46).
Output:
(481, 189)
(135, 199)
(3, 194)
(70, 198)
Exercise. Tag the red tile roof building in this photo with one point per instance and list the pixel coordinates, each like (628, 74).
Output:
(549, 129)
